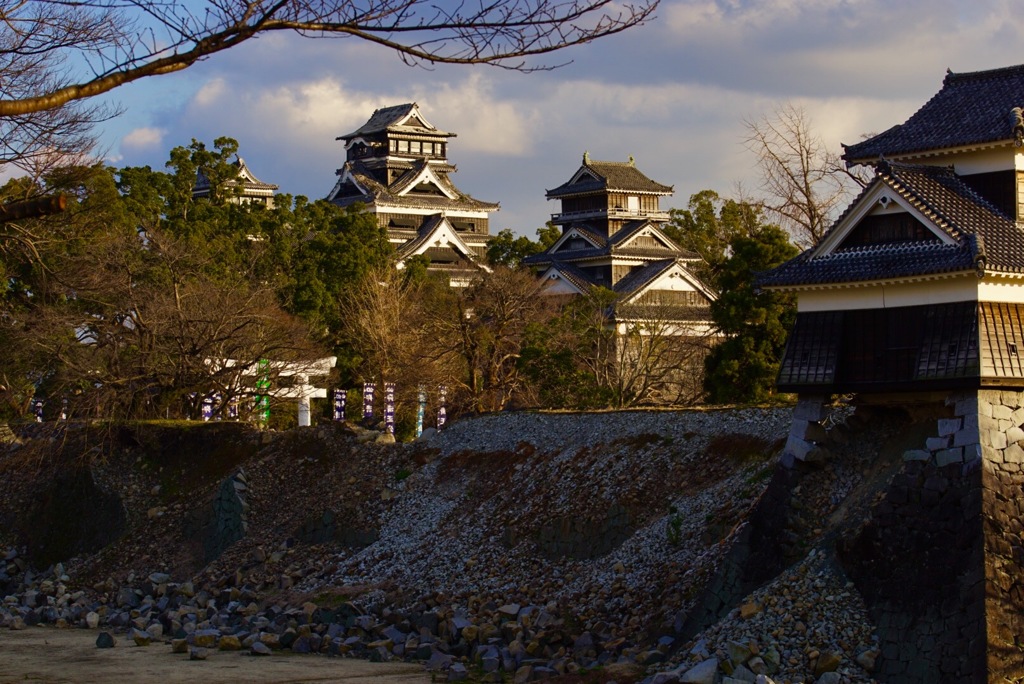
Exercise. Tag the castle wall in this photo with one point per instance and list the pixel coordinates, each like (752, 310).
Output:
(939, 561)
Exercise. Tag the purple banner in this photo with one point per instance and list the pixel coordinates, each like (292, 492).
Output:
(368, 390)
(389, 407)
(442, 413)
(340, 396)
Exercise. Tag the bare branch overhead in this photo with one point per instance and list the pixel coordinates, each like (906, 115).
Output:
(120, 41)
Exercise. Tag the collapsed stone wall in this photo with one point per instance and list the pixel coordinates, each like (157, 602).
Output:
(939, 562)
(917, 564)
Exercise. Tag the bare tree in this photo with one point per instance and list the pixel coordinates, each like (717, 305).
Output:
(480, 331)
(121, 41)
(381, 314)
(647, 352)
(805, 182)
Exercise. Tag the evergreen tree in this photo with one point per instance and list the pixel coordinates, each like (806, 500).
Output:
(755, 323)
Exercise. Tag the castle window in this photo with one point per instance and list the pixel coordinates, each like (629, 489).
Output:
(403, 145)
(414, 147)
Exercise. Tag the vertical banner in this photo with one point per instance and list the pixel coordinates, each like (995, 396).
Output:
(64, 408)
(389, 407)
(442, 413)
(340, 396)
(421, 408)
(368, 389)
(207, 408)
(233, 408)
(37, 409)
(263, 392)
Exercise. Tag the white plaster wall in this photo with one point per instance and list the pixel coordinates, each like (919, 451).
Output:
(881, 296)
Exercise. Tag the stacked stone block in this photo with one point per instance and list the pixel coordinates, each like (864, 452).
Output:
(807, 435)
(941, 561)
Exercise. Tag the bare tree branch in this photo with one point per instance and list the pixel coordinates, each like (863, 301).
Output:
(126, 40)
(805, 183)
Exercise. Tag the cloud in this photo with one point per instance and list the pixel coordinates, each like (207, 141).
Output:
(673, 93)
(143, 139)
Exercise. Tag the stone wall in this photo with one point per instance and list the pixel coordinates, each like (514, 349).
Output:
(337, 528)
(939, 562)
(1002, 481)
(228, 518)
(569, 537)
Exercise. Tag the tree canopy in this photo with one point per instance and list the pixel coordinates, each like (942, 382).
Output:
(755, 323)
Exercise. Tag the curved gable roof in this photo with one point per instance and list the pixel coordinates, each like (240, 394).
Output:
(970, 109)
(404, 118)
(980, 236)
(596, 176)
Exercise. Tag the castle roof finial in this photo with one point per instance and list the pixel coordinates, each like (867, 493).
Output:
(586, 157)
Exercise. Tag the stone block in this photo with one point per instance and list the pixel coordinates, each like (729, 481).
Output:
(984, 407)
(808, 430)
(1001, 412)
(966, 405)
(972, 452)
(937, 443)
(798, 448)
(996, 439)
(949, 426)
(1013, 454)
(1014, 434)
(810, 408)
(948, 456)
(1018, 416)
(1011, 398)
(965, 437)
(917, 455)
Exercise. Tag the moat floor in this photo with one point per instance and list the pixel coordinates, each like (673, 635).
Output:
(44, 654)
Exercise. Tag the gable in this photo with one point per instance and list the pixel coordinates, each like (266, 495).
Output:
(572, 240)
(347, 186)
(649, 238)
(426, 182)
(441, 239)
(414, 119)
(881, 216)
(584, 175)
(556, 283)
(683, 284)
(673, 285)
(887, 228)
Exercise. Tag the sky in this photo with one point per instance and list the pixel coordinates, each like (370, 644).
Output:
(674, 94)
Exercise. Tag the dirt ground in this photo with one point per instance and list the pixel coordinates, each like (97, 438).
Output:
(70, 656)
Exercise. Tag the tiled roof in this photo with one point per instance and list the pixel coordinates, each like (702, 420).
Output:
(574, 275)
(984, 237)
(247, 178)
(379, 193)
(590, 233)
(612, 247)
(426, 231)
(621, 176)
(387, 118)
(637, 279)
(871, 263)
(971, 108)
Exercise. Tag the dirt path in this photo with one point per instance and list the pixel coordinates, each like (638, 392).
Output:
(70, 656)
